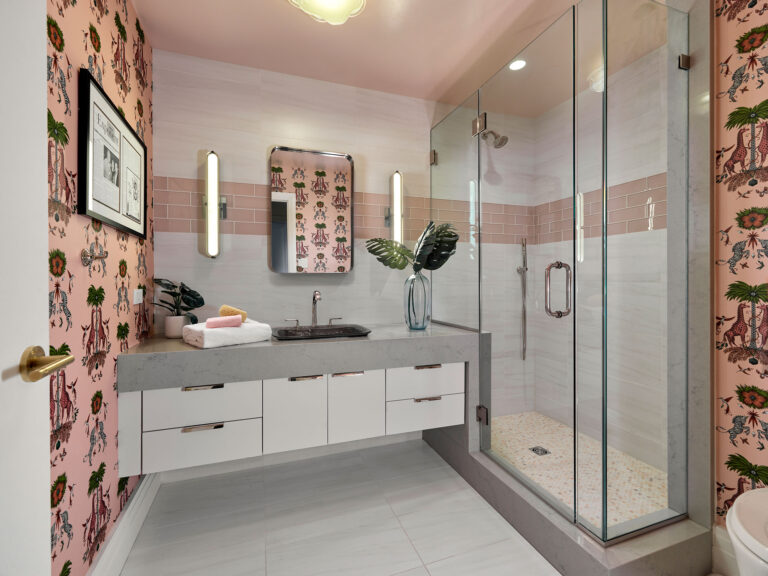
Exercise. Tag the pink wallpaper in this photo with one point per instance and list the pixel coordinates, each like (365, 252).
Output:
(741, 251)
(90, 308)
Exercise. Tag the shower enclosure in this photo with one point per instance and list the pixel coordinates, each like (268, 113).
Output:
(565, 175)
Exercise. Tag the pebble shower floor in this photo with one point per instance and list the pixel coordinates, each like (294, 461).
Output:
(635, 489)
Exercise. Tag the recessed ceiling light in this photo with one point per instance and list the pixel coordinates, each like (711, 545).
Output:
(332, 11)
(517, 65)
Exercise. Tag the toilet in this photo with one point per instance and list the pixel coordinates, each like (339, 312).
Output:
(747, 523)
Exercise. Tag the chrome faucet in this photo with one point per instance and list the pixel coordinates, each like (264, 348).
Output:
(315, 298)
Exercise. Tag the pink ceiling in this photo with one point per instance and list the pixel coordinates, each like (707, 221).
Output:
(422, 48)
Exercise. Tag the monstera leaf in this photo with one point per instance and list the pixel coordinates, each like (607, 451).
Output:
(167, 284)
(390, 253)
(183, 298)
(444, 247)
(424, 246)
(433, 249)
(190, 298)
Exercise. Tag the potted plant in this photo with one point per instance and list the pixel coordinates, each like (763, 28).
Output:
(433, 249)
(180, 301)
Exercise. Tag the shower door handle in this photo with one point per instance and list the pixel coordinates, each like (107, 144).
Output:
(558, 313)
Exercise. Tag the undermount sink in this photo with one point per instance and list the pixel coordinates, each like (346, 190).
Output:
(313, 332)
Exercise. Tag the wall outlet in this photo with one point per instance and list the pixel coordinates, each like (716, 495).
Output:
(138, 296)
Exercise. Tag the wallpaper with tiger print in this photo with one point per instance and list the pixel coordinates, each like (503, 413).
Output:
(90, 308)
(741, 250)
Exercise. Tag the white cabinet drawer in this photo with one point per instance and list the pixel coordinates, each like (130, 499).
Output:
(295, 413)
(428, 380)
(356, 406)
(177, 407)
(205, 444)
(421, 414)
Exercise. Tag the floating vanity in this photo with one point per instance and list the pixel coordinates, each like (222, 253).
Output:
(180, 406)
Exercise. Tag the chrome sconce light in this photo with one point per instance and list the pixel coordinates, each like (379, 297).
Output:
(394, 218)
(214, 205)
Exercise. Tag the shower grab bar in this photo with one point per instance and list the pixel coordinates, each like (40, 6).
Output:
(558, 313)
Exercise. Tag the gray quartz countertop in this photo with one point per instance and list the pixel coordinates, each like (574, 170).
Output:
(162, 363)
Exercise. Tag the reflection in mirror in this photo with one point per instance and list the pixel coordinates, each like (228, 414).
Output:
(311, 211)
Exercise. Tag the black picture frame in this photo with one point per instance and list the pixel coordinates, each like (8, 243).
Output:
(109, 154)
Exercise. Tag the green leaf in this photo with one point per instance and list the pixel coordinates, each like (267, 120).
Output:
(424, 246)
(57, 131)
(122, 484)
(60, 351)
(95, 296)
(163, 283)
(190, 297)
(744, 115)
(120, 28)
(743, 467)
(192, 317)
(747, 293)
(390, 253)
(446, 239)
(97, 476)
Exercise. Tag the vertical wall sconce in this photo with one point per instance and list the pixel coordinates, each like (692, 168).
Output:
(396, 205)
(212, 205)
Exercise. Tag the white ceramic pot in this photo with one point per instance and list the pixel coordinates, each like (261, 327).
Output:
(174, 326)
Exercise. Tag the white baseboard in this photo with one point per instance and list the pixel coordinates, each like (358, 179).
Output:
(118, 545)
(723, 560)
(120, 540)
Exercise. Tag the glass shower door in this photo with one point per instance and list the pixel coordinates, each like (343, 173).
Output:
(526, 183)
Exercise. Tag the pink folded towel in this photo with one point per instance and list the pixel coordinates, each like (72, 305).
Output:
(224, 322)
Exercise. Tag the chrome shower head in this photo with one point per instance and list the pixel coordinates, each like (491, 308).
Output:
(499, 141)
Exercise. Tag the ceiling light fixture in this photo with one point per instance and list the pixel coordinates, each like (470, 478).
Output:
(517, 65)
(332, 11)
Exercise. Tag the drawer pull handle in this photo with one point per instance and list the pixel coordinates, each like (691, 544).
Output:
(428, 367)
(428, 399)
(340, 374)
(204, 387)
(202, 427)
(302, 378)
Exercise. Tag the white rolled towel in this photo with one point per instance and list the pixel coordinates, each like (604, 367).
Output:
(249, 331)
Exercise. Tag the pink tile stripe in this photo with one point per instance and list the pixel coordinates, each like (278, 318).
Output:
(178, 208)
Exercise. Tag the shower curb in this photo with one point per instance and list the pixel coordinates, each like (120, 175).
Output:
(570, 550)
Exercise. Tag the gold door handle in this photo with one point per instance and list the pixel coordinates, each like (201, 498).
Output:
(34, 364)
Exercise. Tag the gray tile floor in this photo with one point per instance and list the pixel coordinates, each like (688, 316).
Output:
(392, 510)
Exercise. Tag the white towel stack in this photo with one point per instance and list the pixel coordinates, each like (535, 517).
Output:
(250, 331)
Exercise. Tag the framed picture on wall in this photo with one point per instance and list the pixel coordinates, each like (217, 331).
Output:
(112, 162)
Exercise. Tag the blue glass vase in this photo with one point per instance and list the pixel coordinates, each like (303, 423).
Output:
(418, 301)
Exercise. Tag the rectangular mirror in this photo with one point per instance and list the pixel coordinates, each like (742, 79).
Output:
(311, 211)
